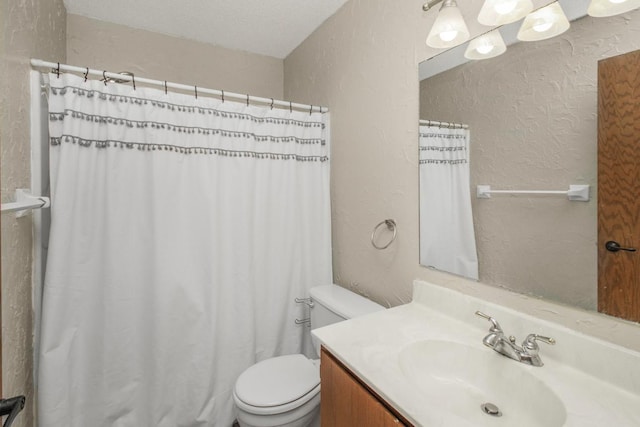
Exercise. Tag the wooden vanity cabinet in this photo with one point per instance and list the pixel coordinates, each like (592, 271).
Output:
(347, 402)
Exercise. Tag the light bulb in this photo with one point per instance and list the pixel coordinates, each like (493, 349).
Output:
(544, 23)
(449, 29)
(447, 36)
(500, 12)
(483, 49)
(505, 7)
(601, 8)
(488, 45)
(542, 27)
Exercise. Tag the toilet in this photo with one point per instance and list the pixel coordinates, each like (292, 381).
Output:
(284, 391)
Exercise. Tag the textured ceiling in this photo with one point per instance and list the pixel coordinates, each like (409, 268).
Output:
(266, 27)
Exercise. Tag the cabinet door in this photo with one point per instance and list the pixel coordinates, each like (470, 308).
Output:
(346, 403)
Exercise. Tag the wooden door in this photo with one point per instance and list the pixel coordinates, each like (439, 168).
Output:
(619, 185)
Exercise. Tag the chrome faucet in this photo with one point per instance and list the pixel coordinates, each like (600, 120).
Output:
(528, 353)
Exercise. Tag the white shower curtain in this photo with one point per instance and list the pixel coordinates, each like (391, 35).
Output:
(182, 230)
(447, 238)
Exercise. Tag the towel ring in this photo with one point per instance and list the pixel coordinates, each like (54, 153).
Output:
(391, 225)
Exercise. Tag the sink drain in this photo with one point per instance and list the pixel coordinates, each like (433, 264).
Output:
(491, 409)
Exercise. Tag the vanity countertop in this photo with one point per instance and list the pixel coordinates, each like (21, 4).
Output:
(597, 382)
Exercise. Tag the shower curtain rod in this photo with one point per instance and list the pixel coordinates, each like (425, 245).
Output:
(444, 124)
(85, 71)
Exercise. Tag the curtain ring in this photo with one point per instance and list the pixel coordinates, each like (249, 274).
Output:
(247, 100)
(165, 87)
(133, 80)
(272, 103)
(223, 96)
(104, 77)
(58, 70)
(290, 107)
(195, 88)
(86, 75)
(310, 109)
(391, 225)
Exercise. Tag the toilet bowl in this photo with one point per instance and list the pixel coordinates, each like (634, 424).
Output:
(284, 391)
(281, 391)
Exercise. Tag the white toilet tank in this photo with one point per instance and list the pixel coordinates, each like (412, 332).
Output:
(332, 304)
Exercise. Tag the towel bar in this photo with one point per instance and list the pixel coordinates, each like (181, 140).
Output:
(578, 193)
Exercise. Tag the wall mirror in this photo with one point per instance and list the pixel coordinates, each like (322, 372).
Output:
(532, 122)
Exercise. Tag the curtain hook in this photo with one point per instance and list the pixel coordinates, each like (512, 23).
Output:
(133, 80)
(223, 96)
(290, 107)
(310, 109)
(86, 75)
(196, 90)
(58, 70)
(104, 77)
(165, 87)
(247, 100)
(272, 103)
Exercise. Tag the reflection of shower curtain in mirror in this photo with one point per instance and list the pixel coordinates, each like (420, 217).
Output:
(447, 239)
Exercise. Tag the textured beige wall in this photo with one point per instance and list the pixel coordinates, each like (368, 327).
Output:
(102, 45)
(533, 119)
(362, 63)
(34, 28)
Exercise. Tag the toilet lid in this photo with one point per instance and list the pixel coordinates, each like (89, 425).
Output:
(277, 381)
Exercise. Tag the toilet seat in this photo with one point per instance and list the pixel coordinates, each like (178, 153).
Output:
(277, 385)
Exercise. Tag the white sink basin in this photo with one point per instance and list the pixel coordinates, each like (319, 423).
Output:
(426, 359)
(456, 379)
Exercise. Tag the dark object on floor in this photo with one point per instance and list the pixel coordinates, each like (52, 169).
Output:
(235, 424)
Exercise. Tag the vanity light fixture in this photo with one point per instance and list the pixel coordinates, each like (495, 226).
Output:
(500, 12)
(488, 45)
(449, 30)
(544, 23)
(600, 8)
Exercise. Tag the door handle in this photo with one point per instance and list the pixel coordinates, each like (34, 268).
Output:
(612, 246)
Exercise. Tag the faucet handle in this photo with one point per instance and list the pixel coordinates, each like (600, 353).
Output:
(495, 326)
(530, 345)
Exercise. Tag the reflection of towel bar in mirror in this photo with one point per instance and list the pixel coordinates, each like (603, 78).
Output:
(579, 193)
